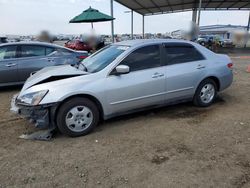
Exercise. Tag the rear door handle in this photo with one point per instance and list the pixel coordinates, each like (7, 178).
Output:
(201, 66)
(157, 75)
(10, 65)
(50, 60)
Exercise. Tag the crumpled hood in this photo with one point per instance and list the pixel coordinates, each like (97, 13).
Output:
(48, 73)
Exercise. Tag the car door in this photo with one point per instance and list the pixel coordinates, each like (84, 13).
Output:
(143, 86)
(185, 68)
(31, 59)
(8, 64)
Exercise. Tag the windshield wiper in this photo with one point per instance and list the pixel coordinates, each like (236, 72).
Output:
(84, 67)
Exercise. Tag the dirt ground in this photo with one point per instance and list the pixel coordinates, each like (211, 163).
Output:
(175, 146)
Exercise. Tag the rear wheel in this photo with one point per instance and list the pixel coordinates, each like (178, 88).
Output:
(77, 117)
(205, 93)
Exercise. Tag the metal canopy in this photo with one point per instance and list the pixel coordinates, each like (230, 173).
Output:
(150, 7)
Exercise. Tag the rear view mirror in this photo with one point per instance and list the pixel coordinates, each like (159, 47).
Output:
(122, 69)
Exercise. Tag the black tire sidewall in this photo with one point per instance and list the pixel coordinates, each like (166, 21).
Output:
(68, 105)
(197, 100)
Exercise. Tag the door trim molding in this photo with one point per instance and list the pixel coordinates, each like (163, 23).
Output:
(153, 95)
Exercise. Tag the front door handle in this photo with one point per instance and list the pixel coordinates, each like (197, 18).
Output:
(157, 75)
(201, 66)
(11, 65)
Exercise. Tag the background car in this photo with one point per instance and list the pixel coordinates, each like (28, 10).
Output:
(3, 40)
(77, 45)
(228, 43)
(205, 40)
(91, 45)
(19, 60)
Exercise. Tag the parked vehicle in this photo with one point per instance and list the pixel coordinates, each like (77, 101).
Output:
(209, 40)
(78, 45)
(19, 60)
(3, 40)
(86, 46)
(205, 40)
(228, 43)
(122, 78)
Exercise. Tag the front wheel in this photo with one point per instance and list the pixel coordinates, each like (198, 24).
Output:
(77, 117)
(205, 93)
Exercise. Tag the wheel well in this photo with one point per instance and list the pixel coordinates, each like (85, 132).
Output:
(93, 99)
(216, 80)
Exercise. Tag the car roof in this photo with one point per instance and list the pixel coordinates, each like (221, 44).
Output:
(46, 44)
(32, 43)
(139, 42)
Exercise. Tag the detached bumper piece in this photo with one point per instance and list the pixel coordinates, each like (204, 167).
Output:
(39, 115)
(44, 135)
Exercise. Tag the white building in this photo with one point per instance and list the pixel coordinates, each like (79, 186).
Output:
(224, 31)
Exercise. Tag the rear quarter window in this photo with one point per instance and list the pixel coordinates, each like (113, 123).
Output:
(63, 51)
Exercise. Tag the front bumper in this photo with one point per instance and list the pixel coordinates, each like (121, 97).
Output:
(41, 115)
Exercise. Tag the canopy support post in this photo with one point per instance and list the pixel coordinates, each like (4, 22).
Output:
(194, 15)
(143, 27)
(247, 34)
(112, 21)
(132, 24)
(199, 13)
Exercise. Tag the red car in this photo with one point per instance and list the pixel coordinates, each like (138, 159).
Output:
(77, 45)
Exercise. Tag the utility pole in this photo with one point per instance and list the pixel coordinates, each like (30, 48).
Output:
(247, 34)
(112, 22)
(199, 14)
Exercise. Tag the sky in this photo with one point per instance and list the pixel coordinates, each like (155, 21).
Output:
(25, 17)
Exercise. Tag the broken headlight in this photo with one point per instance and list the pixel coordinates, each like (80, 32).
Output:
(33, 98)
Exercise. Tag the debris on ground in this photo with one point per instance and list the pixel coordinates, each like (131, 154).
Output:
(44, 135)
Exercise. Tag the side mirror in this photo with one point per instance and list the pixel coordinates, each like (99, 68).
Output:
(122, 69)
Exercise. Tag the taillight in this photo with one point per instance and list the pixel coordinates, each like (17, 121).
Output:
(230, 65)
(82, 57)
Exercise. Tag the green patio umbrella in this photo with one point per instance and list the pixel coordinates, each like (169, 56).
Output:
(91, 15)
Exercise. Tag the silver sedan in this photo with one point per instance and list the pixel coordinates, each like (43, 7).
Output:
(18, 60)
(122, 78)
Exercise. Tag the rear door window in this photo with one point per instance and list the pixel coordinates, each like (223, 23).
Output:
(8, 52)
(32, 51)
(179, 53)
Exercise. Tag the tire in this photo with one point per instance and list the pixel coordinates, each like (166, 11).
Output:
(204, 96)
(77, 117)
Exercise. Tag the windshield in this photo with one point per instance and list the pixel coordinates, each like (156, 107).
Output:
(102, 58)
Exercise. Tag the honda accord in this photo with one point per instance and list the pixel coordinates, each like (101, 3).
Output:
(122, 78)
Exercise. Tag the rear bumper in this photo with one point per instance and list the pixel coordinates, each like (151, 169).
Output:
(226, 81)
(41, 115)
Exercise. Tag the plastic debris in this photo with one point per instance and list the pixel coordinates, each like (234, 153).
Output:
(44, 135)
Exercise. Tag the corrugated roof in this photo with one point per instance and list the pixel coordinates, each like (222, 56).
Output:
(222, 27)
(149, 7)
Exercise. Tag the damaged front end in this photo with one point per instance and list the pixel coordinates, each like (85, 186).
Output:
(38, 99)
(40, 115)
